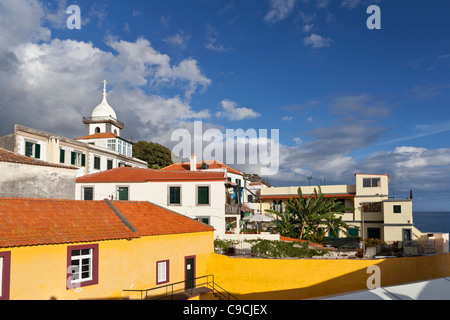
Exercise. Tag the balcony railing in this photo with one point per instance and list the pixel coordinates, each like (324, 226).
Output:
(232, 208)
(101, 119)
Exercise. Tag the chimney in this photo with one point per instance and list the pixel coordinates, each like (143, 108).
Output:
(193, 163)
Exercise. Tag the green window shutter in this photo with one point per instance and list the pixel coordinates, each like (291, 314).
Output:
(353, 232)
(73, 158)
(203, 195)
(123, 193)
(83, 160)
(28, 149)
(88, 194)
(37, 151)
(62, 156)
(175, 195)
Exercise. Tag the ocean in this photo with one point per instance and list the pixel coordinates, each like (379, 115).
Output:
(438, 221)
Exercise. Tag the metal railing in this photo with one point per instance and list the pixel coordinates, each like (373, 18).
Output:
(170, 291)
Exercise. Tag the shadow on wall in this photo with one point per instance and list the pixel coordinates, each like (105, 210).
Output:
(272, 279)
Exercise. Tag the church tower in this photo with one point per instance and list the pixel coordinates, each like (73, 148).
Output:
(103, 118)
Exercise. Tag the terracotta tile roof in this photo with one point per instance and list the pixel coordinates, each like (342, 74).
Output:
(287, 196)
(128, 174)
(311, 244)
(151, 220)
(27, 222)
(213, 164)
(99, 136)
(8, 156)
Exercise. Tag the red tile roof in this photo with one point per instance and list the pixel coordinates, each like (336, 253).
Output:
(151, 220)
(213, 164)
(11, 157)
(373, 174)
(311, 244)
(27, 222)
(104, 135)
(128, 174)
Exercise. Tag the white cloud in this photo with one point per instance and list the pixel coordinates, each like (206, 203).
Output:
(279, 10)
(308, 27)
(50, 84)
(316, 41)
(287, 118)
(232, 112)
(350, 4)
(179, 40)
(212, 40)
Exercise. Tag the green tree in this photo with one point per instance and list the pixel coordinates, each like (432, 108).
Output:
(310, 218)
(156, 155)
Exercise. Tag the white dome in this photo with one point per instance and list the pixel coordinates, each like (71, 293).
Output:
(104, 110)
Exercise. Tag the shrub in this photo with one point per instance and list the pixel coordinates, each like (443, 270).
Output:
(282, 249)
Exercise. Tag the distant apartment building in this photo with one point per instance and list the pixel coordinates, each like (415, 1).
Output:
(375, 214)
(101, 149)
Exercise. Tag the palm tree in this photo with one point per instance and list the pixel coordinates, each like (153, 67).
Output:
(311, 217)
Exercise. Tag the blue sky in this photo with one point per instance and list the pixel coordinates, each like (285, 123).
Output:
(345, 98)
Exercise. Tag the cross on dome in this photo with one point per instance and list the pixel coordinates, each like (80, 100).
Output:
(104, 110)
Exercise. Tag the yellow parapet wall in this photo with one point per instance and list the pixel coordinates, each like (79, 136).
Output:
(277, 279)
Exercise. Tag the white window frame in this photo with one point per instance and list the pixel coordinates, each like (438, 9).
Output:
(75, 268)
(111, 144)
(162, 271)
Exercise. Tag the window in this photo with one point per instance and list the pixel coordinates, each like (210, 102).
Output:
(278, 206)
(129, 150)
(238, 182)
(82, 266)
(111, 144)
(123, 193)
(162, 272)
(78, 159)
(204, 220)
(110, 164)
(371, 182)
(174, 195)
(203, 195)
(62, 156)
(97, 163)
(353, 232)
(5, 270)
(397, 209)
(32, 150)
(97, 130)
(88, 193)
(372, 207)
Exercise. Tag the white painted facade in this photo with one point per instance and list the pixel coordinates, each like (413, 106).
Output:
(158, 193)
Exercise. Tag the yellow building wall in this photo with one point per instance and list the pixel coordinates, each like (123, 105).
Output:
(39, 272)
(277, 279)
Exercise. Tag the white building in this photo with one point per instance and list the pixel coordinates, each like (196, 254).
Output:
(23, 177)
(375, 214)
(235, 182)
(101, 149)
(198, 195)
